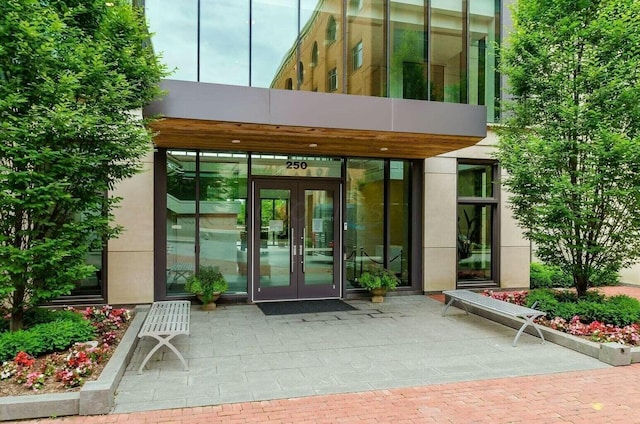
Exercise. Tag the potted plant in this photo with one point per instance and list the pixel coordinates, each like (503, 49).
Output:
(207, 285)
(378, 280)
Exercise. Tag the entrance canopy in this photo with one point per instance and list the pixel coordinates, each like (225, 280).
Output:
(222, 117)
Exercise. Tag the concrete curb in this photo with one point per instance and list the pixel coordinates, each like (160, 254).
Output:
(569, 341)
(95, 397)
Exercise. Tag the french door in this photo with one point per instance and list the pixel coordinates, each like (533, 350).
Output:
(296, 239)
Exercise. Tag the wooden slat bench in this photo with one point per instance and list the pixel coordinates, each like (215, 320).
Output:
(467, 297)
(164, 321)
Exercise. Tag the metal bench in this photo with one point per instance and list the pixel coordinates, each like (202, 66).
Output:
(467, 297)
(164, 321)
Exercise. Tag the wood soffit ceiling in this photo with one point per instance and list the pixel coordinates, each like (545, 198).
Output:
(233, 136)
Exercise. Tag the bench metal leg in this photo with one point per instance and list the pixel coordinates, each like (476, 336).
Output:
(163, 341)
(528, 321)
(464, 306)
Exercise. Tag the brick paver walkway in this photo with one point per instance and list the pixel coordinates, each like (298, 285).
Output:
(609, 395)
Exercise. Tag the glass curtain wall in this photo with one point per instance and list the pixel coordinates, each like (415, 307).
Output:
(484, 28)
(321, 46)
(274, 33)
(366, 41)
(408, 74)
(475, 221)
(206, 217)
(224, 41)
(441, 50)
(174, 27)
(449, 51)
(369, 182)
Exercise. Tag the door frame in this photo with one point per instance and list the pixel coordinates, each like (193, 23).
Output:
(298, 187)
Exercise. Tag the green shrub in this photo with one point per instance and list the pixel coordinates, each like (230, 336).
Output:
(45, 338)
(43, 315)
(604, 277)
(617, 310)
(547, 276)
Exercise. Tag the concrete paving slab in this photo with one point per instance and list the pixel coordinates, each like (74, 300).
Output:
(236, 354)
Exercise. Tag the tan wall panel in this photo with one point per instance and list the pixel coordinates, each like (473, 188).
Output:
(440, 208)
(514, 267)
(135, 212)
(439, 269)
(631, 275)
(130, 277)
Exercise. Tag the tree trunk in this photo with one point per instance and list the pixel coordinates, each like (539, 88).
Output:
(581, 283)
(17, 320)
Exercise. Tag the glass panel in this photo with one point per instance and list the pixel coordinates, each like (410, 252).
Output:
(321, 45)
(474, 242)
(273, 42)
(319, 240)
(181, 218)
(365, 217)
(222, 219)
(224, 41)
(296, 166)
(475, 180)
(399, 220)
(275, 237)
(483, 33)
(366, 27)
(408, 52)
(174, 26)
(448, 51)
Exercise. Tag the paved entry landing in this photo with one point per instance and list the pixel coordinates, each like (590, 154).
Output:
(304, 307)
(237, 354)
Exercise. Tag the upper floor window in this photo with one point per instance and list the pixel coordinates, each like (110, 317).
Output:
(314, 54)
(356, 54)
(300, 72)
(332, 83)
(332, 30)
(288, 84)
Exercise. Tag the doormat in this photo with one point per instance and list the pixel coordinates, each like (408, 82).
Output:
(304, 307)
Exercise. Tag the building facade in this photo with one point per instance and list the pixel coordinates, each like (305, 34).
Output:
(304, 141)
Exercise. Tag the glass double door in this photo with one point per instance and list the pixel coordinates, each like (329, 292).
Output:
(296, 239)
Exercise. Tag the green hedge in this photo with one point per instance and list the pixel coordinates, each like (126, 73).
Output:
(549, 276)
(617, 310)
(45, 338)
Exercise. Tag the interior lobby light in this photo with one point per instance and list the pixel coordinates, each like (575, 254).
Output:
(313, 145)
(235, 141)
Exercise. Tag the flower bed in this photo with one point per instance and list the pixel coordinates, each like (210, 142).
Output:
(595, 331)
(65, 371)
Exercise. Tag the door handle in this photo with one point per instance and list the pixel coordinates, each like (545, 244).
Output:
(304, 235)
(293, 250)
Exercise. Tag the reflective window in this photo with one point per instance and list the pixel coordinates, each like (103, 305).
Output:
(484, 30)
(449, 51)
(408, 76)
(475, 222)
(399, 219)
(224, 41)
(222, 216)
(321, 42)
(274, 32)
(216, 212)
(475, 180)
(356, 55)
(181, 219)
(367, 26)
(295, 166)
(450, 58)
(174, 26)
(365, 217)
(332, 80)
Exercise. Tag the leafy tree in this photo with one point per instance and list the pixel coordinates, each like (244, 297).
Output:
(571, 142)
(71, 72)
